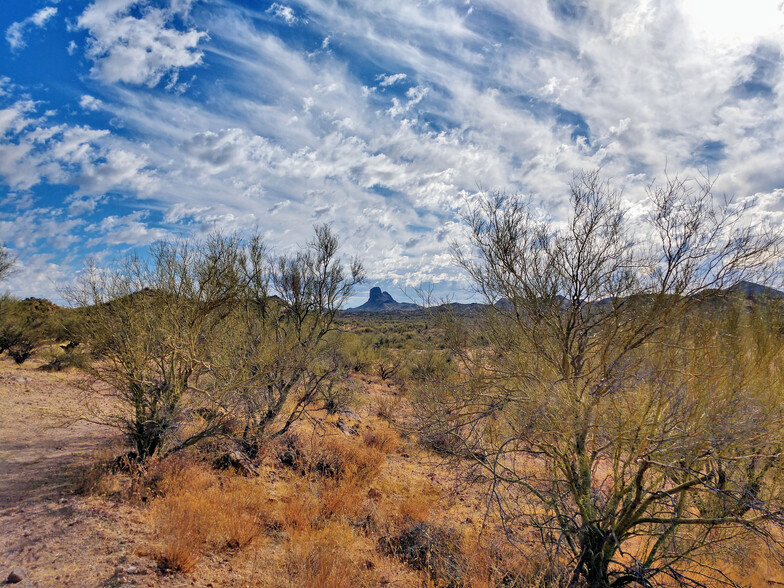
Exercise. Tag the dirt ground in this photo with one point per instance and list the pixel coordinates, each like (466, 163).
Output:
(51, 535)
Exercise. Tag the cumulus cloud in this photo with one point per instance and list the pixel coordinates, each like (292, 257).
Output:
(35, 150)
(15, 33)
(88, 102)
(137, 49)
(42, 276)
(125, 230)
(286, 13)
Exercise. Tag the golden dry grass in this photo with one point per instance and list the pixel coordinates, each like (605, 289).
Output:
(200, 510)
(325, 521)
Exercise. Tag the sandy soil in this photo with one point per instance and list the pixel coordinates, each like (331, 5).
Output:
(50, 534)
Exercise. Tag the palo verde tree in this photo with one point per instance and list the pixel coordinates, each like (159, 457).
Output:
(277, 357)
(211, 338)
(623, 417)
(150, 324)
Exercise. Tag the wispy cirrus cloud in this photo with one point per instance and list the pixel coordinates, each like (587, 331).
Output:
(15, 33)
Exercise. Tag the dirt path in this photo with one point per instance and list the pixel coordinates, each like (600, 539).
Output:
(49, 533)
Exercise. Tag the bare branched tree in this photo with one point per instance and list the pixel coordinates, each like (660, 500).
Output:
(621, 418)
(7, 263)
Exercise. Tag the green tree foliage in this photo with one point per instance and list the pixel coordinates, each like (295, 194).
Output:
(622, 416)
(28, 324)
(150, 324)
(277, 357)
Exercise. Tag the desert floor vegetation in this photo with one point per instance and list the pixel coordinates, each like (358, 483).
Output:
(204, 414)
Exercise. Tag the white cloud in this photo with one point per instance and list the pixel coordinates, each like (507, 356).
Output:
(125, 230)
(414, 95)
(134, 50)
(512, 96)
(14, 34)
(286, 13)
(35, 150)
(389, 80)
(88, 102)
(40, 276)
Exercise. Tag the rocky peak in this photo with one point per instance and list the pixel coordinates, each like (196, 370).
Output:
(379, 297)
(380, 301)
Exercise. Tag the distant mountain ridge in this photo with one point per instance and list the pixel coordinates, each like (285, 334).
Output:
(752, 289)
(379, 301)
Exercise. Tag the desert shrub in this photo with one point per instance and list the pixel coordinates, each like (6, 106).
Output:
(7, 263)
(213, 338)
(442, 442)
(431, 548)
(624, 422)
(387, 407)
(381, 438)
(284, 359)
(354, 351)
(342, 458)
(430, 365)
(388, 363)
(26, 325)
(66, 357)
(493, 562)
(339, 393)
(21, 349)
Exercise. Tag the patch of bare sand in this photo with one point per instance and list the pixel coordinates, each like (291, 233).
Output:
(57, 537)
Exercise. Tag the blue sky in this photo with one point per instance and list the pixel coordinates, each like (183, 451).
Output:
(123, 122)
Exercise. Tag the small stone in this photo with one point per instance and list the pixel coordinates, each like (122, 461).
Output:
(346, 428)
(17, 575)
(348, 413)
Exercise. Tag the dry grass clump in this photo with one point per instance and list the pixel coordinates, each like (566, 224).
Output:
(202, 510)
(400, 501)
(343, 458)
(382, 438)
(328, 557)
(330, 515)
(433, 549)
(491, 561)
(296, 510)
(338, 471)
